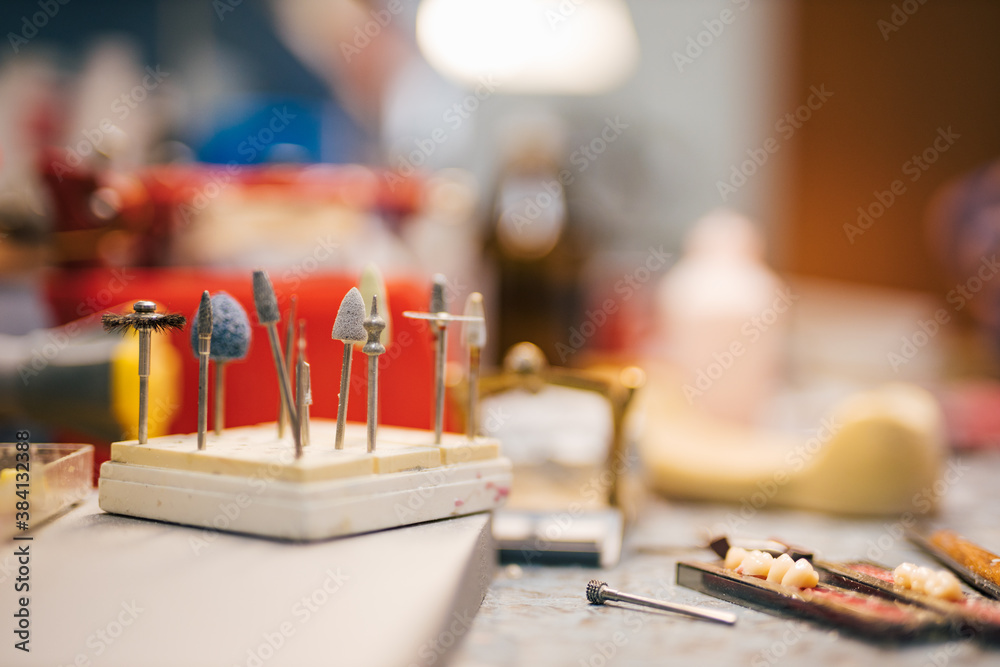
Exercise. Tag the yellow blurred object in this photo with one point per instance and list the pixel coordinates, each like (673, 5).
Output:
(877, 452)
(164, 386)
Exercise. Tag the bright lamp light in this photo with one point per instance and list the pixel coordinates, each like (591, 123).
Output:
(576, 47)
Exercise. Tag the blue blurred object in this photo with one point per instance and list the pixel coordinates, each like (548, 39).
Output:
(230, 329)
(262, 130)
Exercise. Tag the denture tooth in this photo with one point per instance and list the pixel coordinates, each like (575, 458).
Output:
(781, 565)
(734, 557)
(920, 577)
(903, 574)
(936, 583)
(801, 575)
(757, 563)
(944, 585)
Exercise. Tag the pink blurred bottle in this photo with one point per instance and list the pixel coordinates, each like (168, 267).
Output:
(727, 316)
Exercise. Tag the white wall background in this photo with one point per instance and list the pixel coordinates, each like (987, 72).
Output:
(686, 128)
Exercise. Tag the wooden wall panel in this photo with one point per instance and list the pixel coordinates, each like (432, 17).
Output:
(893, 90)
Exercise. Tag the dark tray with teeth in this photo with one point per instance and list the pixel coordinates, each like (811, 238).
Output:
(864, 615)
(972, 616)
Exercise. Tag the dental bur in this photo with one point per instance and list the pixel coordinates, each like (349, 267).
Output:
(230, 341)
(475, 339)
(266, 304)
(145, 320)
(204, 349)
(349, 328)
(439, 318)
(373, 348)
(289, 362)
(599, 593)
(303, 391)
(440, 355)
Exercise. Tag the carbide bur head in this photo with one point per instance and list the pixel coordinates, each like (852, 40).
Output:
(205, 316)
(437, 295)
(594, 590)
(474, 333)
(265, 301)
(349, 325)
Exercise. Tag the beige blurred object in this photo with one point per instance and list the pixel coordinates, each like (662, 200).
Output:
(877, 452)
(244, 228)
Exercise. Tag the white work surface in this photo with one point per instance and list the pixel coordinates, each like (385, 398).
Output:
(115, 591)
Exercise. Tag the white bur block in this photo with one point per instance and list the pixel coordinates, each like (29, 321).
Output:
(247, 481)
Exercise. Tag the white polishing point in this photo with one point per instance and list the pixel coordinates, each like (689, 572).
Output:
(349, 325)
(475, 332)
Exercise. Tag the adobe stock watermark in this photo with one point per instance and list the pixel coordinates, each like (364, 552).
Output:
(220, 179)
(795, 461)
(99, 641)
(557, 524)
(433, 649)
(453, 118)
(562, 12)
(223, 7)
(631, 282)
(586, 153)
(923, 503)
(914, 168)
(122, 107)
(697, 44)
(785, 127)
(52, 342)
(323, 249)
(900, 14)
(434, 483)
(605, 651)
(302, 611)
(941, 657)
(30, 25)
(231, 509)
(750, 331)
(958, 297)
(528, 210)
(369, 31)
(779, 647)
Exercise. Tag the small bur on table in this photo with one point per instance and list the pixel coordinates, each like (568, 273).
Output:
(598, 593)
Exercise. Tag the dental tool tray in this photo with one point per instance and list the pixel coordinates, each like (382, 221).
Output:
(246, 480)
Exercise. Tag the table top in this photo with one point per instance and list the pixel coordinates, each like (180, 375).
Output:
(113, 591)
(199, 597)
(539, 615)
